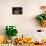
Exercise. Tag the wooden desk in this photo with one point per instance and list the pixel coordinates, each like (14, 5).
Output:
(25, 44)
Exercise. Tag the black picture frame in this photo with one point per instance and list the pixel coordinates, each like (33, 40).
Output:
(17, 10)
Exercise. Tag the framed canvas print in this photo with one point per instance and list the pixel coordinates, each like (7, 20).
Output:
(17, 10)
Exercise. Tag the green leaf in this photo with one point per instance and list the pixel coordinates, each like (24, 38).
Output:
(40, 18)
(45, 16)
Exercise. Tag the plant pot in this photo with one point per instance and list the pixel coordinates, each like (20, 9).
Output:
(13, 38)
(43, 23)
(9, 41)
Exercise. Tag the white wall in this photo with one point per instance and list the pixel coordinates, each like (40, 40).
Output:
(25, 23)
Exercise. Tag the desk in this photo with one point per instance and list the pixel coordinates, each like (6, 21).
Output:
(25, 44)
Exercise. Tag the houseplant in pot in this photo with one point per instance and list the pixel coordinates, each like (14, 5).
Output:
(10, 31)
(42, 17)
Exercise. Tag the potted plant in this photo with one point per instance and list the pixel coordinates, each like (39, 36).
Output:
(10, 31)
(42, 17)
